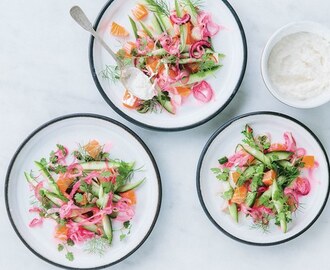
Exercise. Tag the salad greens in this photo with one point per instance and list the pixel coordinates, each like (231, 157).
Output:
(173, 47)
(264, 180)
(85, 198)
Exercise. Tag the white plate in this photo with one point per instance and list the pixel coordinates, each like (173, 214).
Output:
(230, 41)
(69, 131)
(223, 143)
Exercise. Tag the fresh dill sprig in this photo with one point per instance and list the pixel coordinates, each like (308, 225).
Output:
(260, 226)
(159, 6)
(195, 3)
(111, 73)
(97, 246)
(151, 105)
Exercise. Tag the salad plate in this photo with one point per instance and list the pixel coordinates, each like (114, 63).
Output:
(194, 77)
(65, 226)
(263, 178)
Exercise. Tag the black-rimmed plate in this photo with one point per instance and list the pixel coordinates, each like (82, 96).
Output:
(229, 41)
(69, 131)
(223, 143)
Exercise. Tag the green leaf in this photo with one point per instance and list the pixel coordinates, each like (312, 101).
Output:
(43, 162)
(223, 160)
(122, 236)
(78, 197)
(216, 170)
(60, 247)
(227, 195)
(70, 242)
(69, 256)
(126, 224)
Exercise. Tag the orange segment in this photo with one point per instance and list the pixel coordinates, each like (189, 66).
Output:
(93, 148)
(64, 183)
(308, 161)
(129, 195)
(140, 12)
(130, 101)
(183, 91)
(190, 40)
(118, 30)
(239, 195)
(235, 176)
(269, 177)
(61, 233)
(152, 63)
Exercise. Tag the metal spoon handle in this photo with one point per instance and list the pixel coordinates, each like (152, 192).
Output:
(80, 17)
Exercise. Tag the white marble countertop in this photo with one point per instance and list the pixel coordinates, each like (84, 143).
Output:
(44, 73)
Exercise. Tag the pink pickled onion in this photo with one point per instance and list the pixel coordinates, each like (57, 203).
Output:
(125, 211)
(77, 233)
(208, 27)
(290, 142)
(197, 49)
(35, 222)
(177, 20)
(171, 45)
(74, 170)
(202, 91)
(302, 186)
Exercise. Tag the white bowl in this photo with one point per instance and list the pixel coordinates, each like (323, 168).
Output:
(286, 30)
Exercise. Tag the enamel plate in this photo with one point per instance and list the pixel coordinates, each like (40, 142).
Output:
(70, 131)
(223, 143)
(229, 41)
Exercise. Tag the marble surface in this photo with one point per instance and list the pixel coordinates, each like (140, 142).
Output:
(44, 73)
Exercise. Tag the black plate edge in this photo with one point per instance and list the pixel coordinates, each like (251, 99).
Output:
(91, 115)
(141, 124)
(207, 145)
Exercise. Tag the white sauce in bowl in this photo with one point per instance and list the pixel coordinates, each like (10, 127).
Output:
(299, 65)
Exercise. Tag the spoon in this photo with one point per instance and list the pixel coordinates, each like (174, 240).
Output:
(132, 78)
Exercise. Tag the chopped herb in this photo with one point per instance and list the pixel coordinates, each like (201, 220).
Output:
(223, 160)
(227, 195)
(60, 247)
(70, 242)
(106, 174)
(79, 198)
(69, 256)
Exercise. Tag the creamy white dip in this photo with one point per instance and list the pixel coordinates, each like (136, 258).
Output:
(138, 83)
(299, 65)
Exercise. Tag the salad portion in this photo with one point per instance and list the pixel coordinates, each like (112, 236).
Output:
(265, 180)
(88, 199)
(173, 47)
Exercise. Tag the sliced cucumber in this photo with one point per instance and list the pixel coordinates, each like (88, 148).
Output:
(247, 174)
(51, 181)
(91, 227)
(134, 27)
(250, 198)
(99, 165)
(191, 9)
(54, 198)
(199, 76)
(30, 179)
(107, 227)
(258, 155)
(148, 32)
(130, 186)
(285, 164)
(233, 211)
(157, 26)
(279, 155)
(165, 103)
(183, 28)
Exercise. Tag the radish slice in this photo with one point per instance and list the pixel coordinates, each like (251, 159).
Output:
(202, 91)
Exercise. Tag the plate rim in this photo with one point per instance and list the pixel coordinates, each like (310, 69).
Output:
(157, 128)
(200, 163)
(63, 118)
